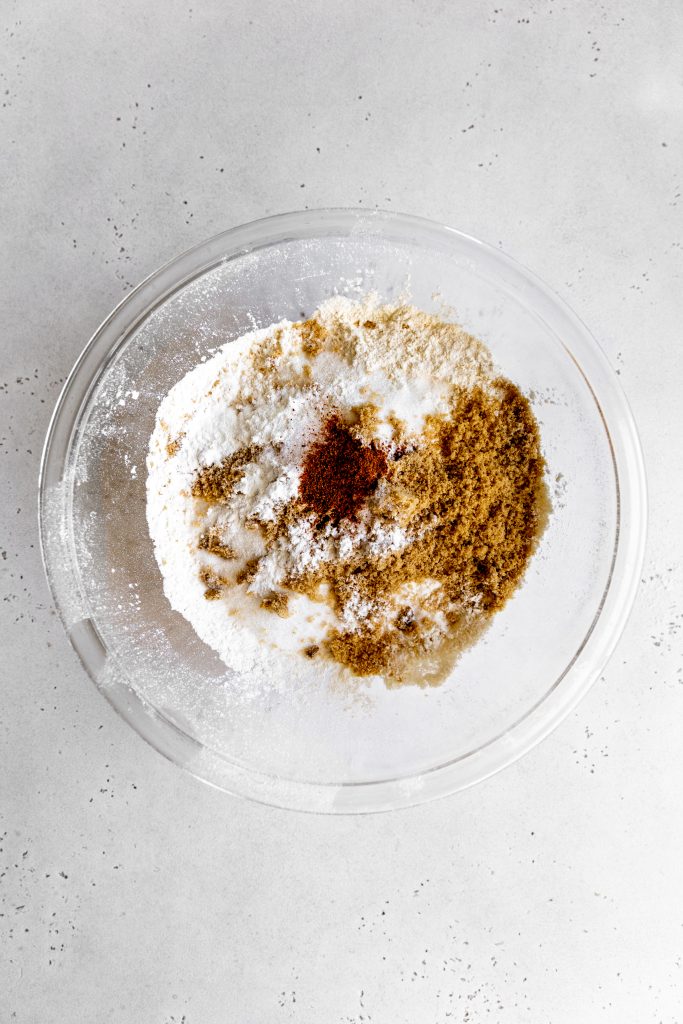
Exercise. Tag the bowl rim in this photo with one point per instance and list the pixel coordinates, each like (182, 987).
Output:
(537, 722)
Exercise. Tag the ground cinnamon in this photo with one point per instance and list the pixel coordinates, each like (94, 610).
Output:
(339, 473)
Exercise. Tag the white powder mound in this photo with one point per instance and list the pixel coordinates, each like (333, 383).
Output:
(271, 391)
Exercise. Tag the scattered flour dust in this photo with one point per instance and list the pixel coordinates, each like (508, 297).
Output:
(225, 467)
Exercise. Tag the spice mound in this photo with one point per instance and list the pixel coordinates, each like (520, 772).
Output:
(339, 473)
(354, 495)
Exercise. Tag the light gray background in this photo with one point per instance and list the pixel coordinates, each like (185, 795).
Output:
(130, 893)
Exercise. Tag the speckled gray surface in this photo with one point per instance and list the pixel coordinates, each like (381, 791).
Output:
(129, 892)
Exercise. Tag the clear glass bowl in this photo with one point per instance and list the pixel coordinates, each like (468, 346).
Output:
(312, 749)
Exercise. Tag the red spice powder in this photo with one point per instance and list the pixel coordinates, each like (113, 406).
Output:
(339, 473)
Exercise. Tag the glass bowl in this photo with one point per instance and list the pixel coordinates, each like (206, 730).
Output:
(307, 747)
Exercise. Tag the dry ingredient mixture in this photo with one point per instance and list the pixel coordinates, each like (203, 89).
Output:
(359, 491)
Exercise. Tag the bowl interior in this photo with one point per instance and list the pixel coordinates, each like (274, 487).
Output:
(305, 745)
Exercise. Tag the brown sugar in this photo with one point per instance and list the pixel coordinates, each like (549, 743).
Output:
(211, 541)
(248, 571)
(364, 421)
(267, 353)
(215, 483)
(276, 602)
(214, 583)
(173, 447)
(312, 335)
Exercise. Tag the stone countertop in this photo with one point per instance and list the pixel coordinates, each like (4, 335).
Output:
(131, 893)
